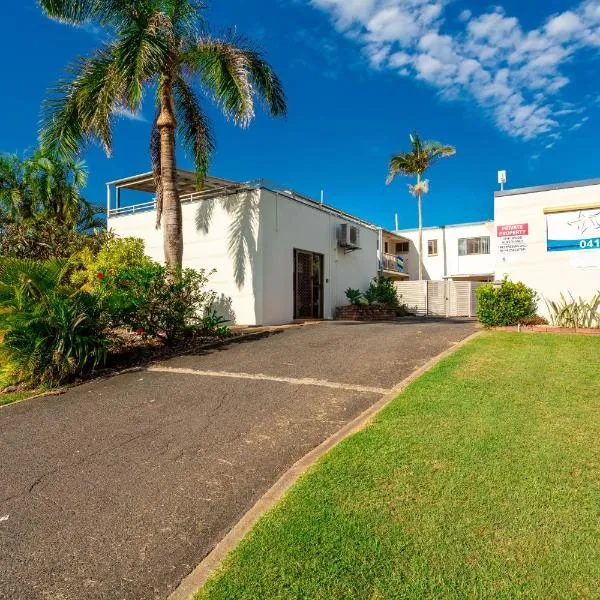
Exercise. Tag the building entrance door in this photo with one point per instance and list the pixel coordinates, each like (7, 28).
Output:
(308, 285)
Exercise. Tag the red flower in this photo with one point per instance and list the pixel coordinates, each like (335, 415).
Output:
(140, 331)
(100, 275)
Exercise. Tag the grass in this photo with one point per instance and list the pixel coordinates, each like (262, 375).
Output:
(481, 480)
(13, 396)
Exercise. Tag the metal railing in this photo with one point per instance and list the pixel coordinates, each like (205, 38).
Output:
(393, 263)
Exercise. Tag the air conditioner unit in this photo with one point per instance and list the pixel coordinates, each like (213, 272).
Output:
(349, 237)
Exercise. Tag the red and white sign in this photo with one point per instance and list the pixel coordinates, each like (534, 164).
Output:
(512, 230)
(512, 239)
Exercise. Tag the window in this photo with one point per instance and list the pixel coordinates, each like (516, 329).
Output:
(402, 247)
(385, 247)
(478, 245)
(432, 248)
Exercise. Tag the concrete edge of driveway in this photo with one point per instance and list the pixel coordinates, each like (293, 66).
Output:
(198, 577)
(246, 335)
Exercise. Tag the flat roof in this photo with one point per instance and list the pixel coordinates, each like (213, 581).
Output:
(216, 186)
(431, 227)
(547, 188)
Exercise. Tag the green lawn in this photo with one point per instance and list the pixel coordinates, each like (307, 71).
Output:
(481, 480)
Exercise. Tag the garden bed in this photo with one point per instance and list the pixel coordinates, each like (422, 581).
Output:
(353, 312)
(551, 329)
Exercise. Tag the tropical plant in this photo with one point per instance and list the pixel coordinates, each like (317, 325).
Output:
(45, 186)
(382, 291)
(214, 324)
(42, 238)
(160, 43)
(420, 159)
(115, 256)
(354, 296)
(571, 312)
(506, 304)
(148, 300)
(52, 331)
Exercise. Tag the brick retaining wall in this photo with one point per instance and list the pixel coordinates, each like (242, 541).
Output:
(364, 313)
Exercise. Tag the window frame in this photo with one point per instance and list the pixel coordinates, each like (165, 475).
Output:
(433, 242)
(404, 245)
(484, 249)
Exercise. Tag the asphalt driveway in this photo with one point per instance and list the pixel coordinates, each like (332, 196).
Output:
(118, 488)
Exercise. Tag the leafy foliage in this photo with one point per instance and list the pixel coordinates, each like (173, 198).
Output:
(506, 304)
(42, 238)
(114, 256)
(422, 156)
(214, 324)
(382, 291)
(44, 185)
(52, 331)
(354, 296)
(152, 300)
(571, 312)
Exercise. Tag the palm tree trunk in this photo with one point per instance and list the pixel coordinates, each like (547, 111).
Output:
(171, 210)
(420, 210)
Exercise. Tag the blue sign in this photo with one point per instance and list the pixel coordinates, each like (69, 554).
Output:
(574, 230)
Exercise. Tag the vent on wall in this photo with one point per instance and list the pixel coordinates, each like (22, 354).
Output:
(349, 237)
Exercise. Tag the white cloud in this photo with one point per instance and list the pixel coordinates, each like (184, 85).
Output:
(517, 76)
(127, 114)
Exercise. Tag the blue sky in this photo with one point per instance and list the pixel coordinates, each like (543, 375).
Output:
(513, 85)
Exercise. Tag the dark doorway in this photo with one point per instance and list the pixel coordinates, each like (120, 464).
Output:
(308, 285)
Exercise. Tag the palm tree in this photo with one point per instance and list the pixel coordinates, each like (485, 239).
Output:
(416, 162)
(44, 186)
(159, 43)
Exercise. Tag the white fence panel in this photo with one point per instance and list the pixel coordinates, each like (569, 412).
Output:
(414, 295)
(439, 298)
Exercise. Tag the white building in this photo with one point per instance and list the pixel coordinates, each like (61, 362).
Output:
(549, 238)
(465, 252)
(277, 255)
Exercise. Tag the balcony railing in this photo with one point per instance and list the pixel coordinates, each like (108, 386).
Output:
(393, 263)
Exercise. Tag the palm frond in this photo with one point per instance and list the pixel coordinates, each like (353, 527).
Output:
(75, 12)
(193, 127)
(225, 72)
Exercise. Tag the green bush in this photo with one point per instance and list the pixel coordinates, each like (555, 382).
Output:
(153, 301)
(116, 255)
(45, 239)
(505, 304)
(382, 291)
(354, 296)
(52, 331)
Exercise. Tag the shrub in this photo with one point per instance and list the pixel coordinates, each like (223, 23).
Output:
(116, 255)
(382, 291)
(354, 296)
(505, 304)
(575, 313)
(52, 331)
(153, 301)
(45, 239)
(214, 324)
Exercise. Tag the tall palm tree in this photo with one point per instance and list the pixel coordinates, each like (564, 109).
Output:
(422, 157)
(161, 43)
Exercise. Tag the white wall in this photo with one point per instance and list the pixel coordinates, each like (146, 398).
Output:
(286, 225)
(211, 250)
(456, 265)
(549, 273)
(257, 232)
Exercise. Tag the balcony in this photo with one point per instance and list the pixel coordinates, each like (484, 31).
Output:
(395, 265)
